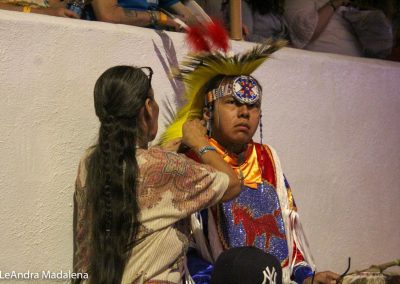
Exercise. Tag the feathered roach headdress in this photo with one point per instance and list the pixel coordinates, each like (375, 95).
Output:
(210, 43)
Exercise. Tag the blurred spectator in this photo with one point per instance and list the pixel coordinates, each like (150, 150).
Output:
(391, 8)
(141, 12)
(374, 24)
(355, 28)
(263, 19)
(373, 30)
(318, 25)
(52, 7)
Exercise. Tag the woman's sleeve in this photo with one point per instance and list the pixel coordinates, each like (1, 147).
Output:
(302, 19)
(173, 185)
(80, 230)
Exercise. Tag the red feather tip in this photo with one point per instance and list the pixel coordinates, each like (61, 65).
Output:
(196, 38)
(218, 35)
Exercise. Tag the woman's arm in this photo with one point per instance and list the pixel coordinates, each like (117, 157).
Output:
(184, 13)
(194, 136)
(325, 14)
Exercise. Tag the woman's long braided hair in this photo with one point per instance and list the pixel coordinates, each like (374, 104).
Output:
(119, 94)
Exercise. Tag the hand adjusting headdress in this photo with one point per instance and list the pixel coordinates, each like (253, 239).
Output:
(209, 60)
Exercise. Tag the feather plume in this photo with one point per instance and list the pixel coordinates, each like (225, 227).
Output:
(196, 38)
(218, 35)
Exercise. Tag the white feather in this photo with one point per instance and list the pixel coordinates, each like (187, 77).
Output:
(197, 11)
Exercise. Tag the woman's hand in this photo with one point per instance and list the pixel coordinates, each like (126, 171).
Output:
(194, 134)
(325, 277)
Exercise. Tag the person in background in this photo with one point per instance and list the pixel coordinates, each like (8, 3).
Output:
(143, 13)
(318, 25)
(355, 28)
(363, 28)
(263, 20)
(131, 202)
(51, 7)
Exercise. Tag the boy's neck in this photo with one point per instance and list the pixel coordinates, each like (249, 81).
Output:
(236, 149)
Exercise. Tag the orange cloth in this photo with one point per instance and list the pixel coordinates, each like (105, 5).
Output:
(249, 170)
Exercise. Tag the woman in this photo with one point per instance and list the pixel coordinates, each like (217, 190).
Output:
(131, 202)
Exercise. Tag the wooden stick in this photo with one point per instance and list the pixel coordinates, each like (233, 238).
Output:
(235, 9)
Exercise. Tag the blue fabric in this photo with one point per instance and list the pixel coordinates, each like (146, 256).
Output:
(199, 269)
(248, 222)
(301, 272)
(144, 5)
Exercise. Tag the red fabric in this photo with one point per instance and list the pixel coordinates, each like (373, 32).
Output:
(266, 163)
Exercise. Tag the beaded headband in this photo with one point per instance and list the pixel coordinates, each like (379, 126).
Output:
(244, 89)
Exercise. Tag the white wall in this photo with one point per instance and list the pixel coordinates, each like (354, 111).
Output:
(333, 119)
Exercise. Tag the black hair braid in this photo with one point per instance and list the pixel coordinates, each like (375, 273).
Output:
(117, 140)
(102, 207)
(107, 128)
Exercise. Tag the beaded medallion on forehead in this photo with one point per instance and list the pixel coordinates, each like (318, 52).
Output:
(246, 90)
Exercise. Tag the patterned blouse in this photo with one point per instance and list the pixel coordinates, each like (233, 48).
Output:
(170, 188)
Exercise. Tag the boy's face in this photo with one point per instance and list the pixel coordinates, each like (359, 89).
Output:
(234, 123)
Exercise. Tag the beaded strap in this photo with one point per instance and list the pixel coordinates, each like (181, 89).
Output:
(205, 149)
